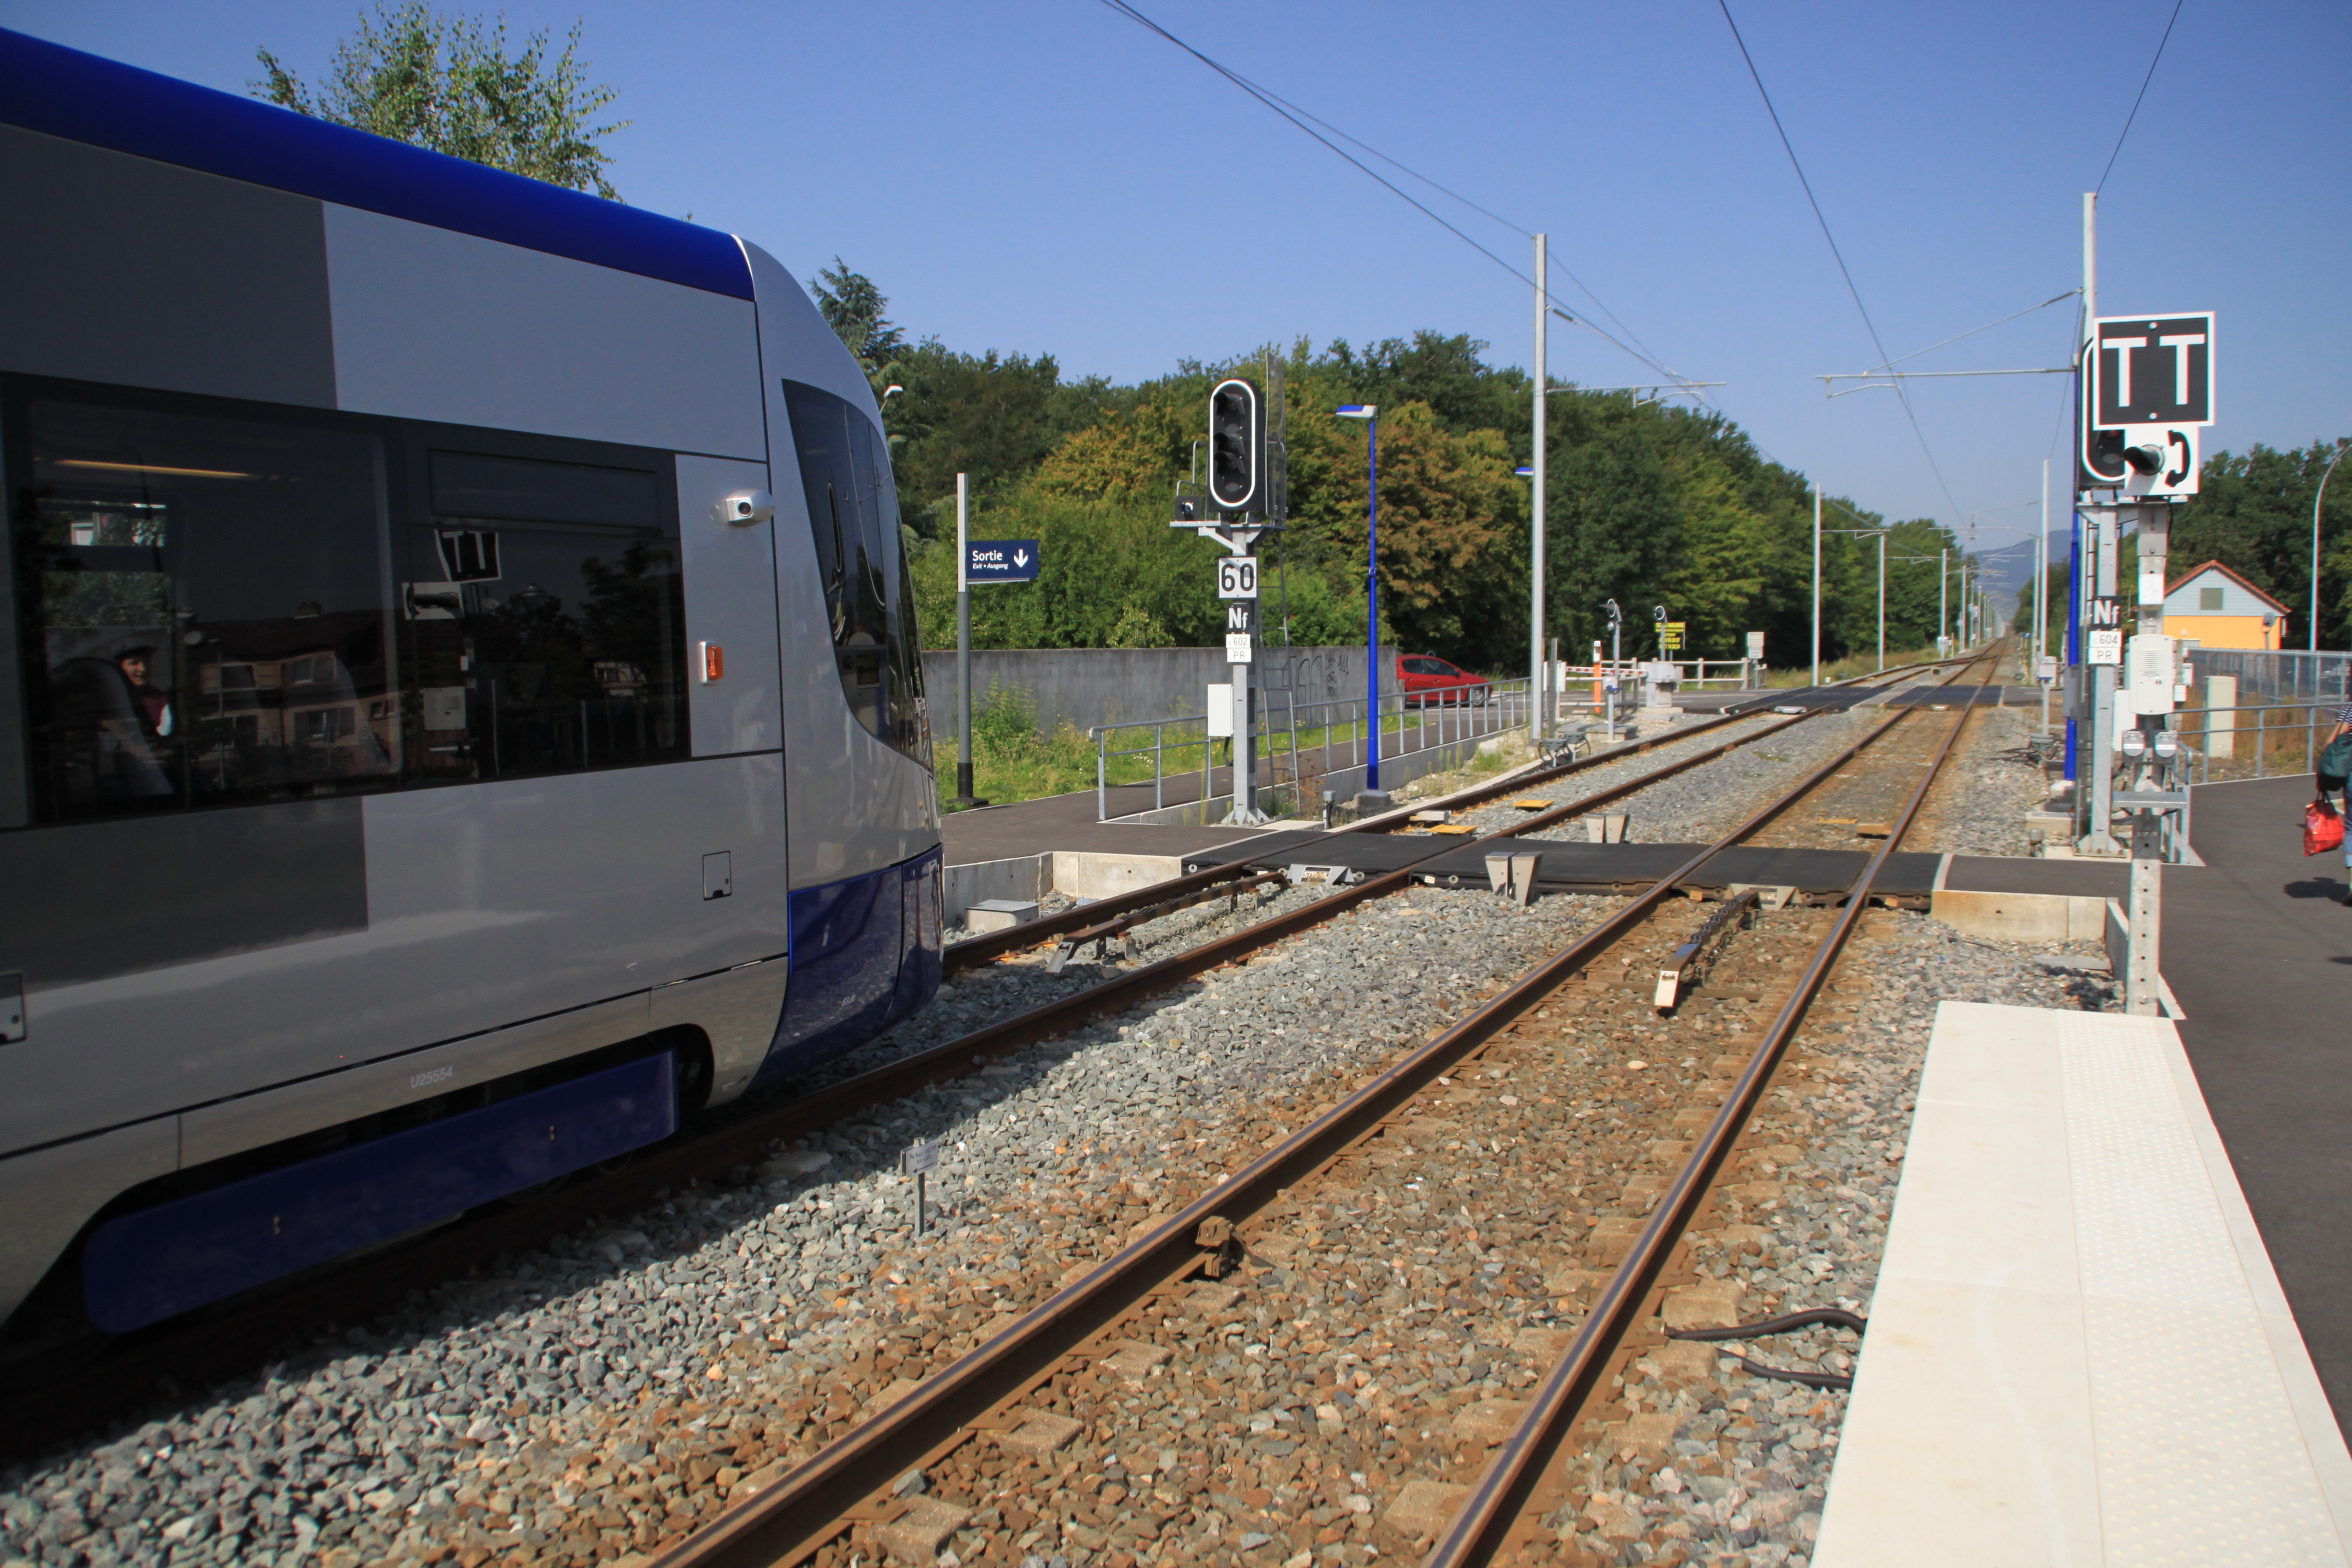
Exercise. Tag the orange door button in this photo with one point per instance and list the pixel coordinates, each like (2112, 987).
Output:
(714, 662)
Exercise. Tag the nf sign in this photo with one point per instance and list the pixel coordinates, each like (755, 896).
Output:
(1001, 561)
(2103, 631)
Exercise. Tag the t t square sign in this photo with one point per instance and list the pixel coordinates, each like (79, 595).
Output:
(1001, 561)
(2147, 393)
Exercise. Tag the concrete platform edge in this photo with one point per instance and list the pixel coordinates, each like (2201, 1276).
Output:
(2331, 1462)
(2049, 1374)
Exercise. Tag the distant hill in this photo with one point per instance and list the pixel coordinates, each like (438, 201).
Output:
(2010, 568)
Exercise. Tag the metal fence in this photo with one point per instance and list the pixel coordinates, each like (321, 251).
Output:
(2280, 675)
(1300, 742)
(2256, 740)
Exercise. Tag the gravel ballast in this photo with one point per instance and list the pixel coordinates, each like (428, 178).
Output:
(605, 1392)
(1707, 1463)
(599, 1396)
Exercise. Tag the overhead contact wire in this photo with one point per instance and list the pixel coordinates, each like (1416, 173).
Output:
(1299, 118)
(1844, 271)
(2137, 99)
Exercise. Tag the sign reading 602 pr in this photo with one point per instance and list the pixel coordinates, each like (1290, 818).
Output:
(1237, 577)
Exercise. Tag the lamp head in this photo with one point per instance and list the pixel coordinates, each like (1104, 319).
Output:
(1358, 411)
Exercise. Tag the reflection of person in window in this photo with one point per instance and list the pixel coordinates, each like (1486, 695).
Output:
(154, 705)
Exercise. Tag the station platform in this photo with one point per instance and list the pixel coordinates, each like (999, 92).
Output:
(2257, 946)
(2078, 1351)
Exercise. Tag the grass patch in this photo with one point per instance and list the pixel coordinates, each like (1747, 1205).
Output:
(1013, 760)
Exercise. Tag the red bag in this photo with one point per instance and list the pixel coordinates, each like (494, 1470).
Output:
(2322, 829)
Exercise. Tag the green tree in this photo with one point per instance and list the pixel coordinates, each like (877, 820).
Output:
(447, 82)
(2253, 514)
(853, 307)
(993, 417)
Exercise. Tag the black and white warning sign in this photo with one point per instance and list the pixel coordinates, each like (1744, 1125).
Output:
(2152, 370)
(1241, 617)
(2146, 391)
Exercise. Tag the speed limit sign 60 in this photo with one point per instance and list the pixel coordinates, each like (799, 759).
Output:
(1237, 577)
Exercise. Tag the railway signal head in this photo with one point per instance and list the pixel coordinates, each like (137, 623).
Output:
(1237, 445)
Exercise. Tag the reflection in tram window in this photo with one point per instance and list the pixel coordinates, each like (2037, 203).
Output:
(554, 639)
(191, 588)
(853, 513)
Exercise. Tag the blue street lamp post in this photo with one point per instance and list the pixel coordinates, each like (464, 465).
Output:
(1370, 414)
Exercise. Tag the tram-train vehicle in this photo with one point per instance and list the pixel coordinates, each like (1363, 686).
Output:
(460, 696)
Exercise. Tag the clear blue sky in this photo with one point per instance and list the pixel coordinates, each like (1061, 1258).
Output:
(1049, 177)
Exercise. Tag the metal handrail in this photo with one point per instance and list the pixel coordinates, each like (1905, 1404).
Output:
(1432, 719)
(2318, 714)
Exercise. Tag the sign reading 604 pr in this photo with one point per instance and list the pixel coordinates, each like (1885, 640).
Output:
(1237, 577)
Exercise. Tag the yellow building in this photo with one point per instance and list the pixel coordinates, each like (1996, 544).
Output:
(2216, 608)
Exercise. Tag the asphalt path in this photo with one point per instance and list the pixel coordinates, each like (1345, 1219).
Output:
(2257, 946)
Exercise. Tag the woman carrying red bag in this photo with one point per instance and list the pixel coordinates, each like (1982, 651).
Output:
(2323, 823)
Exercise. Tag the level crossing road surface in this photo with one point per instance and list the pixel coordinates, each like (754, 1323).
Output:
(2257, 947)
(1844, 697)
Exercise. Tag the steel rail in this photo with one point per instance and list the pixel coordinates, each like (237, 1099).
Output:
(1499, 1500)
(805, 1506)
(230, 1338)
(1764, 700)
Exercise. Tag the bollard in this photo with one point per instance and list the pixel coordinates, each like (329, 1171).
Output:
(2144, 916)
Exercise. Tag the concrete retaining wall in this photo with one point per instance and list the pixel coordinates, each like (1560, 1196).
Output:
(1080, 873)
(1089, 686)
(2022, 917)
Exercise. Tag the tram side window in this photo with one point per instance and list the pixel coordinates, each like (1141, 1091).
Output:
(201, 608)
(869, 594)
(547, 621)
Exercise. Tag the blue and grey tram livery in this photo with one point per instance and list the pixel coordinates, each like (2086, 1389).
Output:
(460, 704)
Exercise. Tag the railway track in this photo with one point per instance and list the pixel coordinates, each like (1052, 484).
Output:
(1070, 1409)
(90, 1384)
(1056, 928)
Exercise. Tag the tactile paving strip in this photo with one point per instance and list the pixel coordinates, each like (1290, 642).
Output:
(2200, 1457)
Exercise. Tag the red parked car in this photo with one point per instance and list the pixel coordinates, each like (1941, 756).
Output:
(1427, 679)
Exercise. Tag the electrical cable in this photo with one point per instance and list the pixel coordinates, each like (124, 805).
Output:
(1830, 1317)
(1299, 118)
(1902, 395)
(1973, 331)
(2143, 93)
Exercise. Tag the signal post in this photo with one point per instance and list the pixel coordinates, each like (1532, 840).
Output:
(2144, 394)
(1243, 501)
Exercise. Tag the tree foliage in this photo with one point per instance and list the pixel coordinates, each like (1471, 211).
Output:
(1647, 504)
(448, 82)
(854, 308)
(2253, 514)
